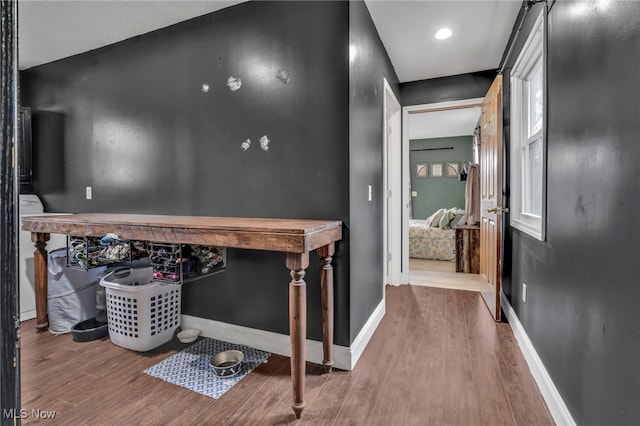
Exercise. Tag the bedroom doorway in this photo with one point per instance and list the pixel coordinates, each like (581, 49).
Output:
(440, 142)
(392, 213)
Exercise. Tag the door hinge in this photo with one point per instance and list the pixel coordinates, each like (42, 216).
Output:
(389, 130)
(388, 193)
(388, 257)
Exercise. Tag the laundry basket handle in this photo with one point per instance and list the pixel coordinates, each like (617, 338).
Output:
(123, 272)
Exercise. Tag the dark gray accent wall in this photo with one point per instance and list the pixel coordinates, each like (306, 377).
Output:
(132, 121)
(451, 88)
(582, 282)
(367, 68)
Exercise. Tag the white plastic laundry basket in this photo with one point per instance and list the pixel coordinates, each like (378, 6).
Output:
(141, 313)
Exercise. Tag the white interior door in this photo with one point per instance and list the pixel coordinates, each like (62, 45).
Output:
(392, 155)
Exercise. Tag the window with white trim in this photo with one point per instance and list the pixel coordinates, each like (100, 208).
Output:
(528, 148)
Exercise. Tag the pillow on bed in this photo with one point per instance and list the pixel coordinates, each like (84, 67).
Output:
(447, 217)
(433, 221)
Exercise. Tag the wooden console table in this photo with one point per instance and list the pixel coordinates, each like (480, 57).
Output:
(294, 237)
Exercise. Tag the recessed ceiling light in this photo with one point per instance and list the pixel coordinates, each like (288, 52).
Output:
(443, 33)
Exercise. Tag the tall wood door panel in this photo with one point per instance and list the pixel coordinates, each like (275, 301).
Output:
(491, 196)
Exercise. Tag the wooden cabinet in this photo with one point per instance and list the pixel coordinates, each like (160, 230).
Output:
(25, 151)
(468, 248)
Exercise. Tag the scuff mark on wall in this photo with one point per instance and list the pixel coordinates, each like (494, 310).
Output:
(581, 209)
(246, 144)
(234, 83)
(205, 88)
(284, 76)
(264, 143)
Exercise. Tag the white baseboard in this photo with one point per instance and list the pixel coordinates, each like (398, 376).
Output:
(556, 405)
(27, 315)
(344, 358)
(361, 340)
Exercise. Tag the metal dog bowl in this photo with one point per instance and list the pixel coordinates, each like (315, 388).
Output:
(227, 363)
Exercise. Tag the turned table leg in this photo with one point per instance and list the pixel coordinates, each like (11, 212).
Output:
(41, 278)
(326, 288)
(297, 263)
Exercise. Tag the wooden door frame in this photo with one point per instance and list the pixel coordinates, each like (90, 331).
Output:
(406, 166)
(391, 156)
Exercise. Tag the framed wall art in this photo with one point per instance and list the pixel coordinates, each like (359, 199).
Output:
(437, 169)
(422, 170)
(453, 170)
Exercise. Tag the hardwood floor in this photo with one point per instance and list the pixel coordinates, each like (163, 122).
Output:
(437, 358)
(442, 274)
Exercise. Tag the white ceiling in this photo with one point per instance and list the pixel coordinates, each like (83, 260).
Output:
(481, 29)
(54, 29)
(443, 124)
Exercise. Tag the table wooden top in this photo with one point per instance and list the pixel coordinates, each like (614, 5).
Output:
(290, 235)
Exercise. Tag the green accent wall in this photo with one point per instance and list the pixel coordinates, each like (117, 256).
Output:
(437, 192)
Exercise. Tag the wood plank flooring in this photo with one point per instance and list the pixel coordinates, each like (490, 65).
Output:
(442, 274)
(437, 358)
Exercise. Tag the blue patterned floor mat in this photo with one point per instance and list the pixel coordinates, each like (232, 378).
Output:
(190, 367)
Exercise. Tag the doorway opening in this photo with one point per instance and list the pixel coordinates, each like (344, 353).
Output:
(440, 142)
(392, 209)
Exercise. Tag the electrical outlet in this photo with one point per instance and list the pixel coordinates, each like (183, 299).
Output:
(88, 192)
(524, 292)
(414, 193)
